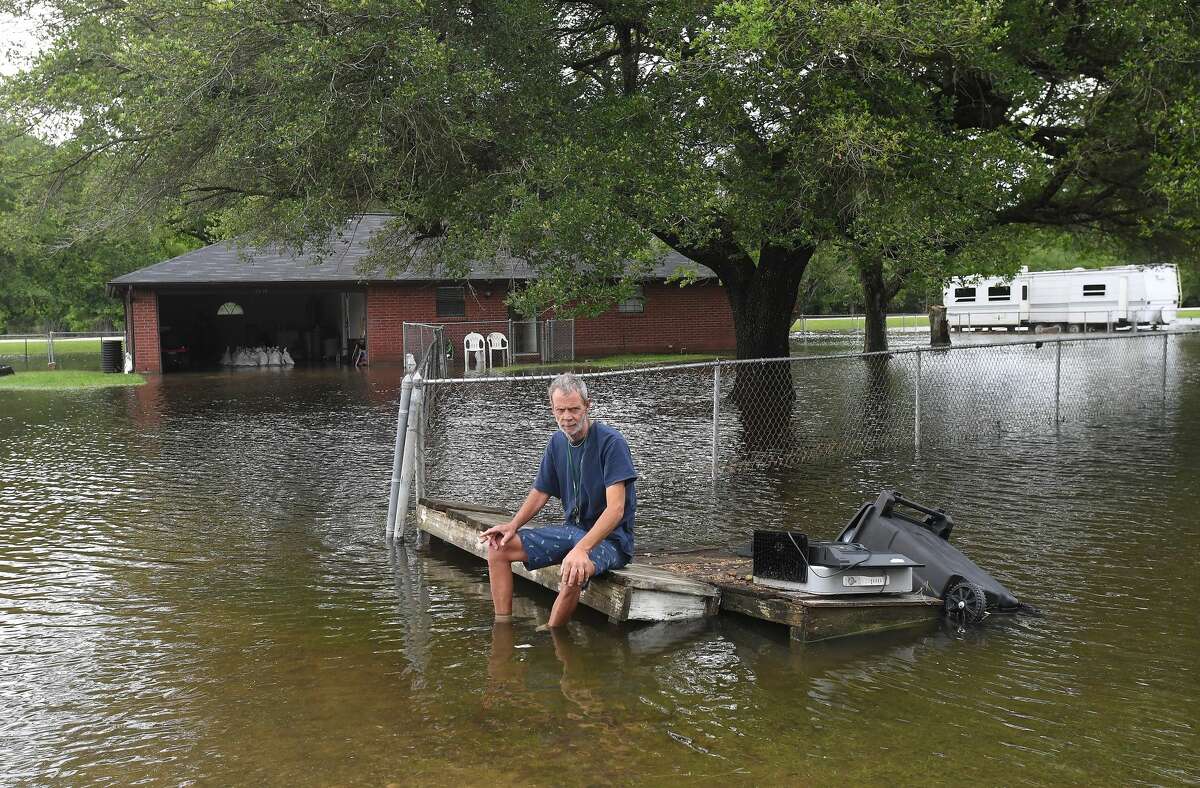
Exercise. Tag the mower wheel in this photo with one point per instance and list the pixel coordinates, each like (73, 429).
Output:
(965, 602)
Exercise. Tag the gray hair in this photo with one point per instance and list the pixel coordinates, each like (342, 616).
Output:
(568, 384)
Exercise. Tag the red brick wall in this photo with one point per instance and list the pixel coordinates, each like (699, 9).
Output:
(390, 306)
(693, 319)
(147, 349)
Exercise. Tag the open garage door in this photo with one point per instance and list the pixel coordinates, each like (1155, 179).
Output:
(315, 326)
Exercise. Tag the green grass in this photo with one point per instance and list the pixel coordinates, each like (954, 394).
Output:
(63, 379)
(1189, 313)
(855, 323)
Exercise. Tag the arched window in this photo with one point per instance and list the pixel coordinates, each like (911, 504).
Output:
(230, 308)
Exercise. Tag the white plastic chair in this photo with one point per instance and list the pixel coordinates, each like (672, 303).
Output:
(473, 347)
(497, 341)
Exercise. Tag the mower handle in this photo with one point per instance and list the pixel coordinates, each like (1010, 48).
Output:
(936, 520)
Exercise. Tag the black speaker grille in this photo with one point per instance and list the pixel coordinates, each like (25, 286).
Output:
(779, 555)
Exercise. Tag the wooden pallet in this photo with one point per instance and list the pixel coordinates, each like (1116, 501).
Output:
(809, 618)
(634, 593)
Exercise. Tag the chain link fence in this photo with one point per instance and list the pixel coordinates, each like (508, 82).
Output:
(64, 350)
(694, 422)
(426, 343)
(520, 342)
(558, 341)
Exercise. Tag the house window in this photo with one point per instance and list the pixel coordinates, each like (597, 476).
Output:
(451, 302)
(964, 294)
(635, 304)
(1093, 290)
(230, 308)
(1000, 293)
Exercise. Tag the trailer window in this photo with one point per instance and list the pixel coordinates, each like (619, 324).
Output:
(1093, 290)
(1000, 293)
(1024, 292)
(451, 302)
(964, 294)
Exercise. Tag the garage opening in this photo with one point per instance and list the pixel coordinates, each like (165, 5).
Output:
(314, 326)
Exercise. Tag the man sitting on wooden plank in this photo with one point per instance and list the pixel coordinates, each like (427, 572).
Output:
(586, 465)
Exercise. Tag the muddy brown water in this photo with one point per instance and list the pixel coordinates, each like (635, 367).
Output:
(195, 588)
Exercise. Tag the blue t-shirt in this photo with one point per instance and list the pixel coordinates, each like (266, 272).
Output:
(580, 474)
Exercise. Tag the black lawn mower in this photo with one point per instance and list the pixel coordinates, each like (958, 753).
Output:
(894, 524)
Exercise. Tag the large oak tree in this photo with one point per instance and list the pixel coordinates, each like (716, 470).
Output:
(581, 135)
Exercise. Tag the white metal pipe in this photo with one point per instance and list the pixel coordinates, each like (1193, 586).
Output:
(917, 409)
(1164, 374)
(410, 448)
(406, 387)
(419, 450)
(1057, 381)
(715, 416)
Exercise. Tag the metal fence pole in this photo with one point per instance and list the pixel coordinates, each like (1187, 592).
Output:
(1164, 376)
(716, 429)
(401, 431)
(407, 469)
(917, 409)
(420, 449)
(1057, 380)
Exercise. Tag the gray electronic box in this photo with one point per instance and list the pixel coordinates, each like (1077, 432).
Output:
(828, 568)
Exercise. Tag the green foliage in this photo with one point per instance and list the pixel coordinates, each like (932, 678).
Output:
(55, 278)
(904, 140)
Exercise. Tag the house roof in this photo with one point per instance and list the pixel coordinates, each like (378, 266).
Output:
(228, 262)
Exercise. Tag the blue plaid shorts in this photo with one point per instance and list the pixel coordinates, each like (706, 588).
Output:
(550, 545)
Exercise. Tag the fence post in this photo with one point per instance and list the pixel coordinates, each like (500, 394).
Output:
(407, 468)
(1164, 376)
(1057, 380)
(917, 409)
(716, 430)
(26, 352)
(397, 455)
(420, 448)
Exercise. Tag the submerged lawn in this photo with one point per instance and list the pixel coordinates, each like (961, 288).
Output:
(613, 362)
(54, 379)
(856, 322)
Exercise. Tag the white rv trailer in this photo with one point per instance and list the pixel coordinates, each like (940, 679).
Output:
(1122, 295)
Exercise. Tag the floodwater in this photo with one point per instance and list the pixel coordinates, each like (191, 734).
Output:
(195, 588)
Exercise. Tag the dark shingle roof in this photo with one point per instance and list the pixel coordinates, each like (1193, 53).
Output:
(227, 262)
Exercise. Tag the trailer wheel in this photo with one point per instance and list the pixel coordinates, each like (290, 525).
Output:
(965, 602)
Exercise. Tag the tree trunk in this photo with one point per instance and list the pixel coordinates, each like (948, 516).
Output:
(762, 304)
(762, 298)
(875, 304)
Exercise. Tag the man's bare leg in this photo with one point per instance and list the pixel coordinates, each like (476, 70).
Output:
(564, 606)
(500, 574)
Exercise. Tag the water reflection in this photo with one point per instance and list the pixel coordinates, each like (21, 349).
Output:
(194, 588)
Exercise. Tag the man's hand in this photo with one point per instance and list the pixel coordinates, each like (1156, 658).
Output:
(577, 567)
(498, 535)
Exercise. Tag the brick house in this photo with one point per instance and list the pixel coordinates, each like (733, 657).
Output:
(185, 311)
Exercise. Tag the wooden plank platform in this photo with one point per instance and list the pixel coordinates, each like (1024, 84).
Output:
(809, 618)
(635, 593)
